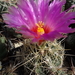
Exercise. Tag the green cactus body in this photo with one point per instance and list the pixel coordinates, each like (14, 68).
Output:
(45, 59)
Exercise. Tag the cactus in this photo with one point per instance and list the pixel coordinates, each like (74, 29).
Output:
(44, 59)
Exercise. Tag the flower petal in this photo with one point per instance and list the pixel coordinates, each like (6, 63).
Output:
(51, 36)
(26, 7)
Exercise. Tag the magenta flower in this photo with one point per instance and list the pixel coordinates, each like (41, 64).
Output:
(39, 20)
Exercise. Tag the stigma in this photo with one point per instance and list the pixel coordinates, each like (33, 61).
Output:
(40, 28)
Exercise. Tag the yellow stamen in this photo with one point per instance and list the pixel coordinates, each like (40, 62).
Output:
(40, 29)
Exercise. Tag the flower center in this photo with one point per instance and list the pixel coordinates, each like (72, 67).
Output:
(40, 29)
